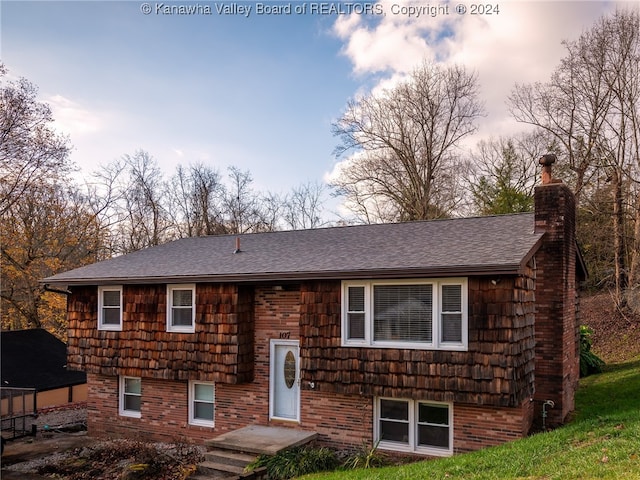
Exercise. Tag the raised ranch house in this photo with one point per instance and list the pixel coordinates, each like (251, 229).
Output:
(432, 337)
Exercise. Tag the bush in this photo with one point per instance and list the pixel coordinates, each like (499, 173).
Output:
(365, 457)
(296, 462)
(589, 362)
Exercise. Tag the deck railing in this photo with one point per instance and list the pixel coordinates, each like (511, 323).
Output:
(18, 410)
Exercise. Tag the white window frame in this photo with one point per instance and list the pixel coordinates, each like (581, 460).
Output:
(101, 325)
(412, 444)
(192, 399)
(181, 328)
(121, 404)
(436, 340)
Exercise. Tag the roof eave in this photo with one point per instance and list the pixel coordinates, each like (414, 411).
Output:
(462, 270)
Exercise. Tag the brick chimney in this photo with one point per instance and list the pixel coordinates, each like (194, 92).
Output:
(557, 358)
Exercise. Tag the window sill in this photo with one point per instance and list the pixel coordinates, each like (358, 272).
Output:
(201, 423)
(181, 330)
(130, 414)
(407, 346)
(110, 328)
(404, 448)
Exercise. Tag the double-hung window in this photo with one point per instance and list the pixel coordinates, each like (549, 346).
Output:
(110, 307)
(430, 314)
(414, 426)
(201, 403)
(181, 308)
(130, 396)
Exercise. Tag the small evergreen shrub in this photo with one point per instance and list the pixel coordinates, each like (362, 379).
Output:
(296, 462)
(589, 362)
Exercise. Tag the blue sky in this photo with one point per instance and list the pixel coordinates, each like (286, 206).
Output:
(259, 92)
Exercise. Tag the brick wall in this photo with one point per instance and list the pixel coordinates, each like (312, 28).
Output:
(557, 347)
(478, 427)
(164, 411)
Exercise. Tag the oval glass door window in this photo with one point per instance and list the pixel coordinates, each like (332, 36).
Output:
(289, 369)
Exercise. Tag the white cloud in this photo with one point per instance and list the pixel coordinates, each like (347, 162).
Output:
(522, 43)
(394, 42)
(71, 118)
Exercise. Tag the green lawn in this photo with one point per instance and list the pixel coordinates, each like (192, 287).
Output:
(603, 441)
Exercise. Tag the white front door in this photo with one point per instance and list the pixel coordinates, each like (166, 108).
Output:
(284, 389)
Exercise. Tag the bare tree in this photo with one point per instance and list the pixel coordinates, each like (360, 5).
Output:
(243, 206)
(591, 107)
(405, 141)
(196, 196)
(30, 150)
(303, 206)
(139, 193)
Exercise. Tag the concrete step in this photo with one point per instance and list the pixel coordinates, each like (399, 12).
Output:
(213, 476)
(208, 467)
(229, 457)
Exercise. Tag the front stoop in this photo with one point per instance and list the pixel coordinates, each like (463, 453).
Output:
(226, 464)
(228, 454)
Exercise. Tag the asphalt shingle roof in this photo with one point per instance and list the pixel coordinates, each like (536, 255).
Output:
(494, 244)
(35, 359)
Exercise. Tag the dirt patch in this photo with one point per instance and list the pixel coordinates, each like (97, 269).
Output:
(76, 456)
(616, 333)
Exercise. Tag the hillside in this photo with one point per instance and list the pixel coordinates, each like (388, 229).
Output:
(616, 336)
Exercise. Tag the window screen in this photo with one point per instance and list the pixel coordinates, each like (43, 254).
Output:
(182, 314)
(433, 425)
(403, 313)
(394, 420)
(355, 313)
(111, 307)
(203, 402)
(451, 313)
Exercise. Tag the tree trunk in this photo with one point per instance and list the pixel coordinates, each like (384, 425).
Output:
(618, 239)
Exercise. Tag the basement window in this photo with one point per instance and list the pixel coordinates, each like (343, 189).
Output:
(414, 426)
(130, 396)
(181, 309)
(201, 403)
(425, 314)
(110, 308)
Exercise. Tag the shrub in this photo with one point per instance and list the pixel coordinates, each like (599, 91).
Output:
(296, 462)
(365, 457)
(589, 362)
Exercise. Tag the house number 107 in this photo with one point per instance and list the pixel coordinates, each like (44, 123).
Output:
(285, 335)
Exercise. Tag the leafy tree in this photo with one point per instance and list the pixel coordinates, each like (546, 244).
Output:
(46, 224)
(504, 174)
(30, 150)
(51, 228)
(404, 141)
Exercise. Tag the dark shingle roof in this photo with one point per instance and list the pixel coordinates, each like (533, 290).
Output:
(496, 244)
(35, 359)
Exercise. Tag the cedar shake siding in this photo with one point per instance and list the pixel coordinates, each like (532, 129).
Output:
(497, 369)
(220, 350)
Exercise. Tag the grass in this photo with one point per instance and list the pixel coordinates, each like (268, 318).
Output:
(602, 441)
